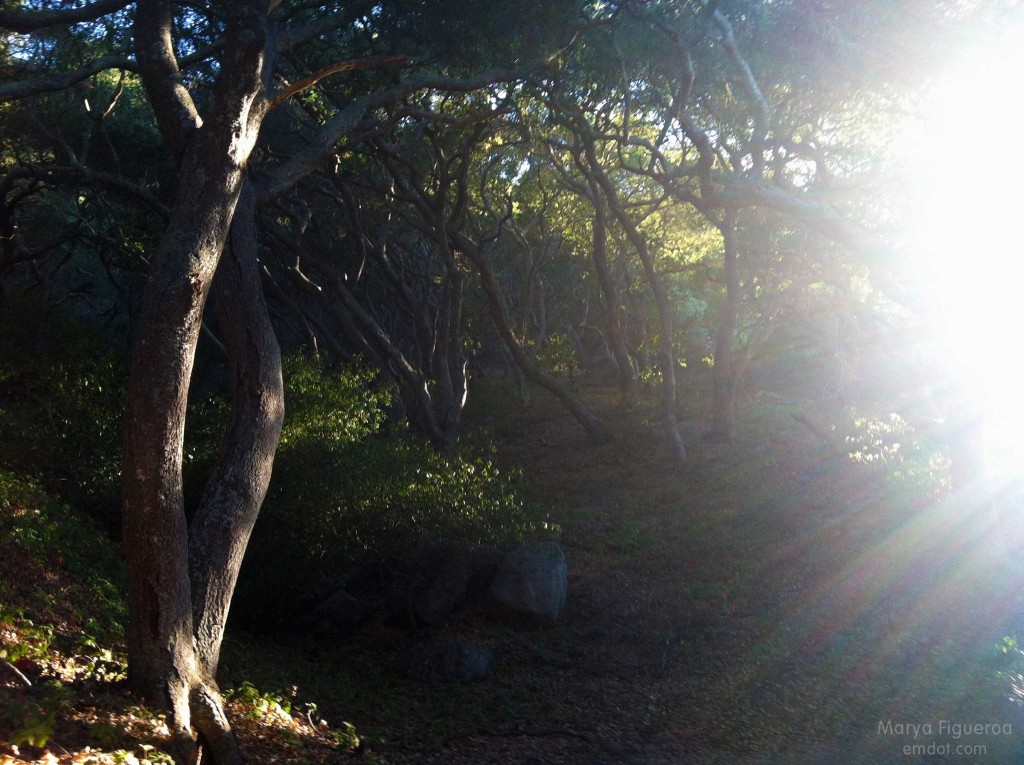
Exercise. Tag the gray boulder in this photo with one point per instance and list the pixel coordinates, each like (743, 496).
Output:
(445, 660)
(338, 615)
(529, 585)
(425, 589)
(448, 578)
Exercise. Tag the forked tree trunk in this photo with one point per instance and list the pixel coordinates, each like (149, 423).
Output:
(163, 664)
(166, 664)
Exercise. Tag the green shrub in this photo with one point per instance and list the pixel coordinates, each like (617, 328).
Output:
(343, 485)
(889, 444)
(558, 355)
(385, 494)
(344, 490)
(30, 718)
(51, 533)
(61, 423)
(330, 407)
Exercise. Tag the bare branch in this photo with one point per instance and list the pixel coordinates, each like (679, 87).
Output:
(763, 115)
(108, 181)
(16, 672)
(29, 21)
(325, 141)
(294, 37)
(118, 92)
(11, 91)
(814, 214)
(343, 66)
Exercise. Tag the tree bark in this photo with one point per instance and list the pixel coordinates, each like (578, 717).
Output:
(612, 308)
(162, 660)
(220, 529)
(726, 371)
(165, 665)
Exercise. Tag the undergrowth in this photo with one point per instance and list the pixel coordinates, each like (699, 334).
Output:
(346, 483)
(62, 661)
(347, 488)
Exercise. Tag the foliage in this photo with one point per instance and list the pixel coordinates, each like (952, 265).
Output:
(343, 485)
(890, 444)
(559, 355)
(62, 417)
(261, 705)
(33, 640)
(57, 631)
(287, 717)
(878, 440)
(345, 489)
(1013, 671)
(52, 534)
(331, 408)
(30, 716)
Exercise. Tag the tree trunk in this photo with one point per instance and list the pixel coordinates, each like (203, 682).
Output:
(725, 374)
(162, 660)
(669, 420)
(454, 354)
(164, 663)
(612, 309)
(431, 380)
(220, 530)
(503, 322)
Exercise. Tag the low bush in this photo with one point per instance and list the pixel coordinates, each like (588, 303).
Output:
(44, 533)
(344, 490)
(61, 596)
(61, 424)
(345, 487)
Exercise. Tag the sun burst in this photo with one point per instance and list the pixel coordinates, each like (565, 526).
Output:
(967, 211)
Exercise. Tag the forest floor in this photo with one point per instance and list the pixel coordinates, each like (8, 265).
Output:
(773, 603)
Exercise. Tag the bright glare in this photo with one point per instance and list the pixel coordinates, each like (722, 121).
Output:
(968, 232)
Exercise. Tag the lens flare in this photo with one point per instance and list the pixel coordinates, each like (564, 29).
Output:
(967, 211)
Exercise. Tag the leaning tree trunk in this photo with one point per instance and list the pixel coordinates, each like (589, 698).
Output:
(498, 308)
(220, 530)
(165, 663)
(628, 386)
(667, 359)
(727, 368)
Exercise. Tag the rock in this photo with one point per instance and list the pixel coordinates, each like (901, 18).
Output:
(338, 615)
(442, 579)
(446, 660)
(448, 578)
(529, 585)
